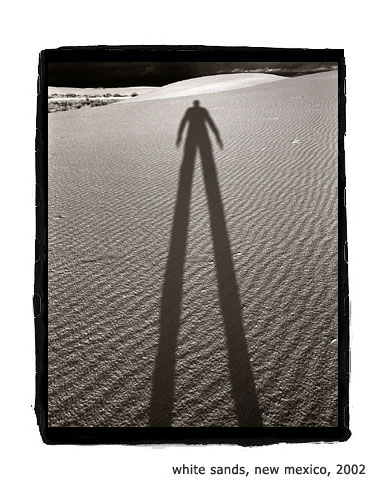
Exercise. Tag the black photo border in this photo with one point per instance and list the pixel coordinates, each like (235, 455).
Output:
(245, 436)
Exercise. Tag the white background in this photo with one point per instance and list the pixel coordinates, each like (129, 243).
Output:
(361, 29)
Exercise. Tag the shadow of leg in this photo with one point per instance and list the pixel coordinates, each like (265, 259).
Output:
(164, 372)
(243, 386)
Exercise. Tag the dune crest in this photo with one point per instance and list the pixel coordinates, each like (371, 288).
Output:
(209, 84)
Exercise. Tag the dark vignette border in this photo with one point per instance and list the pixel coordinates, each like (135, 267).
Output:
(244, 436)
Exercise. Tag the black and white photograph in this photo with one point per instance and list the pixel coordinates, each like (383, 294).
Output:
(195, 263)
(193, 244)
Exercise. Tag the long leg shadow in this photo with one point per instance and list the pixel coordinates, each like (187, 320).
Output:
(243, 386)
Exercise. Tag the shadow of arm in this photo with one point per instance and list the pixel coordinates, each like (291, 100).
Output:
(214, 129)
(182, 125)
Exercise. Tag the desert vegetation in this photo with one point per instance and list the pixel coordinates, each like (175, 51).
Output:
(70, 101)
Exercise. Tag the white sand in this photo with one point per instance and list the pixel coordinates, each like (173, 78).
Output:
(208, 85)
(113, 177)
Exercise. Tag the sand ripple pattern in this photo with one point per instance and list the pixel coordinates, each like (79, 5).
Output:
(113, 175)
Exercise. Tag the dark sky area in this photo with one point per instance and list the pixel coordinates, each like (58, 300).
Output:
(131, 74)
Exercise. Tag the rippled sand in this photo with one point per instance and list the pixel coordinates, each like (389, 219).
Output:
(113, 176)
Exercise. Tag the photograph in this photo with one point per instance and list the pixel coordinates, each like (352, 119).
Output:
(193, 244)
(195, 249)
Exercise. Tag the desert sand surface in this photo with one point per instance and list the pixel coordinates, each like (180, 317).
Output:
(133, 242)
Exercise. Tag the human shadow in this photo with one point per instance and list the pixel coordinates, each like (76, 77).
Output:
(243, 386)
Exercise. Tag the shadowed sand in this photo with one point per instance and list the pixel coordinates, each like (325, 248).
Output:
(255, 261)
(243, 386)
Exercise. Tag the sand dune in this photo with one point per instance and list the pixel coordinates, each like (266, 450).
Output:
(113, 184)
(194, 87)
(208, 85)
